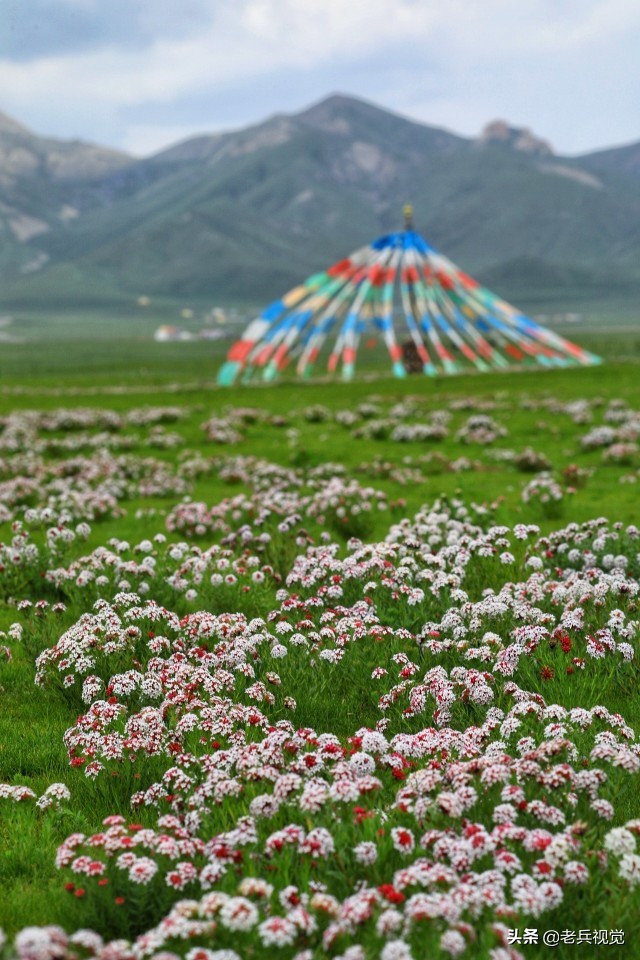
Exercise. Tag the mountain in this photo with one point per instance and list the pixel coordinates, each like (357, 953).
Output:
(243, 215)
(44, 183)
(624, 160)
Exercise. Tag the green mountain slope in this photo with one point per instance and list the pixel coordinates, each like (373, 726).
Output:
(44, 186)
(243, 215)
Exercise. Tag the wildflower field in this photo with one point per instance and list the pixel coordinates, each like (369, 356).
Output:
(322, 671)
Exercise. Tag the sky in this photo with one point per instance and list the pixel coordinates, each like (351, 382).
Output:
(139, 75)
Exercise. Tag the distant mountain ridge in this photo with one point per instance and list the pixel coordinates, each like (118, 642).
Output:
(243, 215)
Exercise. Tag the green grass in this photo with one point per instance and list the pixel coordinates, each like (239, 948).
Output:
(100, 349)
(74, 373)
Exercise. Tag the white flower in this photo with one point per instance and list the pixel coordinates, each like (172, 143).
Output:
(396, 950)
(238, 913)
(366, 852)
(630, 868)
(620, 841)
(277, 932)
(453, 943)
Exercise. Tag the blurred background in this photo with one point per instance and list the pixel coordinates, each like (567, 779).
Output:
(167, 169)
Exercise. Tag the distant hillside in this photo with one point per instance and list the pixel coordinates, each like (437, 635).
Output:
(243, 215)
(623, 160)
(44, 186)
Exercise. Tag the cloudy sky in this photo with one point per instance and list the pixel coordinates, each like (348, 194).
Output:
(141, 74)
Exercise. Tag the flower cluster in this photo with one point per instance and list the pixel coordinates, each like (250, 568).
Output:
(546, 493)
(330, 727)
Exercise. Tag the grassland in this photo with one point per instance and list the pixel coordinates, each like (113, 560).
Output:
(127, 373)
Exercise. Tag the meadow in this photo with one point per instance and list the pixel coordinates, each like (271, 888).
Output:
(321, 670)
